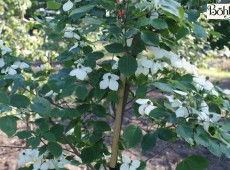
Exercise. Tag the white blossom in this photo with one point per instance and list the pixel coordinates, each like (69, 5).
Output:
(81, 72)
(205, 117)
(109, 81)
(181, 110)
(128, 164)
(68, 5)
(41, 67)
(146, 106)
(226, 91)
(4, 49)
(143, 66)
(69, 33)
(2, 62)
(21, 65)
(157, 65)
(51, 93)
(158, 52)
(9, 70)
(180, 92)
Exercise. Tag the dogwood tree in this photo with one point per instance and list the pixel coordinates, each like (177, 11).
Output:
(118, 52)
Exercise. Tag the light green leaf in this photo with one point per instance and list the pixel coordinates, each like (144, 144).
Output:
(159, 24)
(163, 86)
(53, 5)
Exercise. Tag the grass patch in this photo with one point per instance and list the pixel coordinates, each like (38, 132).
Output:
(214, 73)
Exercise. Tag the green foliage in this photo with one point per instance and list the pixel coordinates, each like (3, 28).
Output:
(193, 162)
(90, 45)
(132, 136)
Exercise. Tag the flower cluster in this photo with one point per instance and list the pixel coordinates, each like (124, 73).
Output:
(32, 157)
(109, 81)
(12, 69)
(163, 57)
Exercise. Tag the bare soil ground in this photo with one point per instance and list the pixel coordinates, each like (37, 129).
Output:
(164, 156)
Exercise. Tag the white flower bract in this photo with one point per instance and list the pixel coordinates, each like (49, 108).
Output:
(146, 106)
(67, 6)
(128, 164)
(109, 81)
(81, 72)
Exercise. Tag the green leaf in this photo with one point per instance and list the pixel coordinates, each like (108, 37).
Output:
(49, 137)
(4, 99)
(166, 134)
(150, 38)
(34, 142)
(83, 9)
(52, 5)
(163, 86)
(115, 48)
(184, 131)
(57, 130)
(90, 154)
(159, 24)
(127, 65)
(81, 92)
(55, 149)
(141, 92)
(8, 125)
(132, 135)
(158, 113)
(193, 15)
(130, 32)
(99, 110)
(199, 31)
(149, 141)
(194, 162)
(19, 101)
(23, 134)
(183, 31)
(41, 106)
(101, 126)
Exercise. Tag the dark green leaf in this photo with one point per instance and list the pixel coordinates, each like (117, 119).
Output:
(19, 101)
(115, 48)
(4, 99)
(99, 110)
(150, 38)
(149, 141)
(55, 149)
(101, 126)
(41, 106)
(194, 162)
(8, 124)
(127, 65)
(81, 92)
(132, 135)
(159, 24)
(166, 134)
(199, 31)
